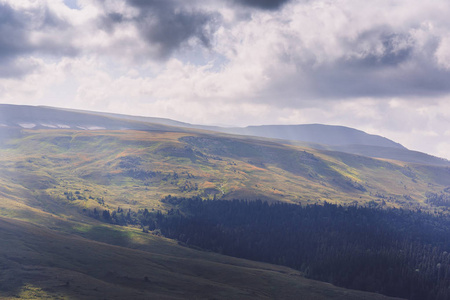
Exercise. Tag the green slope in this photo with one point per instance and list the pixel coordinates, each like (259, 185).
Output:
(55, 178)
(75, 170)
(318, 136)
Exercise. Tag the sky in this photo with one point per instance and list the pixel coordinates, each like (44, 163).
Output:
(382, 68)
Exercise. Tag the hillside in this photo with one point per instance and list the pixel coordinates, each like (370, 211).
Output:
(38, 117)
(40, 263)
(317, 133)
(153, 164)
(76, 170)
(85, 259)
(312, 133)
(317, 136)
(59, 185)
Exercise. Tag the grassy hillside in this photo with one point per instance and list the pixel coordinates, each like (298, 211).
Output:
(61, 171)
(52, 180)
(317, 136)
(40, 263)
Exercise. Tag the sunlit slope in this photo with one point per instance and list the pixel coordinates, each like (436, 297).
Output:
(65, 172)
(37, 263)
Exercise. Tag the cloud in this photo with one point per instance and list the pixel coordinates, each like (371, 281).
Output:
(129, 30)
(295, 49)
(17, 68)
(288, 53)
(165, 26)
(10, 24)
(336, 50)
(28, 29)
(263, 4)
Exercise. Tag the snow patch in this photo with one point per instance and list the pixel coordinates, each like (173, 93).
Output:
(62, 126)
(49, 125)
(27, 125)
(91, 127)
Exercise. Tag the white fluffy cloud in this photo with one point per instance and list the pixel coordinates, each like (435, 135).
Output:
(383, 68)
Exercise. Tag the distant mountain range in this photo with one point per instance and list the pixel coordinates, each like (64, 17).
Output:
(318, 136)
(318, 133)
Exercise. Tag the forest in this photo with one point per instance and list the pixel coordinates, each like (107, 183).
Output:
(394, 252)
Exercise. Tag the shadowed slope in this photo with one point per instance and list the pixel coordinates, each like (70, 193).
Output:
(43, 264)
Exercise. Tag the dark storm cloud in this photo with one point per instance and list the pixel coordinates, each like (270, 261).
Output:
(13, 35)
(383, 63)
(396, 49)
(377, 63)
(343, 80)
(166, 25)
(15, 29)
(263, 4)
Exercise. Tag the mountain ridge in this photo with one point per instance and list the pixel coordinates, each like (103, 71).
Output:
(318, 136)
(335, 135)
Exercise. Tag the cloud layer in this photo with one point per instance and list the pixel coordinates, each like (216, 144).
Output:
(383, 68)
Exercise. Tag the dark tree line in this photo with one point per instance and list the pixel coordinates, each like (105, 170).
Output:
(142, 217)
(438, 199)
(394, 252)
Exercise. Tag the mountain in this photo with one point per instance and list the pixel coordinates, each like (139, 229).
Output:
(310, 133)
(165, 159)
(397, 154)
(340, 138)
(214, 164)
(77, 189)
(317, 133)
(317, 136)
(38, 117)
